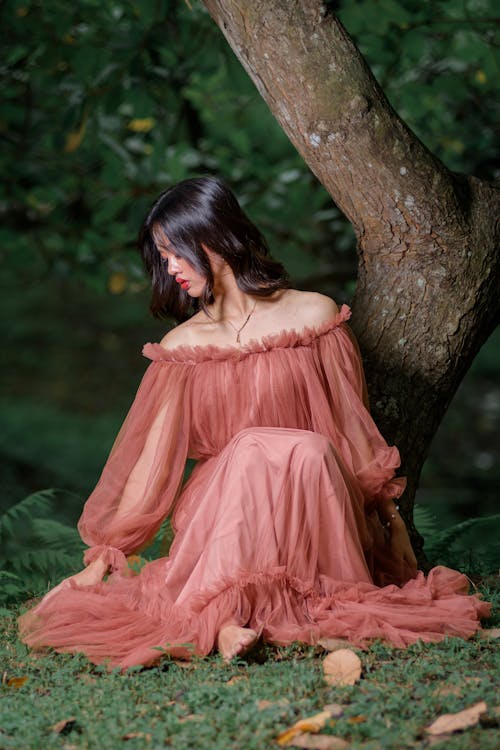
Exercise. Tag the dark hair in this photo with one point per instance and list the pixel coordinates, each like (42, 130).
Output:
(204, 211)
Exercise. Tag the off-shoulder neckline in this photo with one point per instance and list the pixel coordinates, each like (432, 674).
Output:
(284, 339)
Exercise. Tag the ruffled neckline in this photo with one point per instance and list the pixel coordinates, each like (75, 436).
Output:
(284, 339)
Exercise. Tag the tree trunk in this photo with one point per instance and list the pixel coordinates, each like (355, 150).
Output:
(427, 292)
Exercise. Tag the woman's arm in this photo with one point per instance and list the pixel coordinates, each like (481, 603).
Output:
(346, 419)
(143, 473)
(400, 542)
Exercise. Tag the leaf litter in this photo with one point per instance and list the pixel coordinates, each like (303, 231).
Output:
(342, 667)
(448, 723)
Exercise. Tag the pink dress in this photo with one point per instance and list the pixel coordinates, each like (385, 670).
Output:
(276, 528)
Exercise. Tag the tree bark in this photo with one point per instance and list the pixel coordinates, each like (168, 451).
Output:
(427, 292)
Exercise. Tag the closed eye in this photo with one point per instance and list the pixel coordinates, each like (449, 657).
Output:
(165, 254)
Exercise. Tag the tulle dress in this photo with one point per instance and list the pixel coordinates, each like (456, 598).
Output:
(276, 528)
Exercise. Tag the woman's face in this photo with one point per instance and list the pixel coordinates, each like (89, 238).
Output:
(188, 278)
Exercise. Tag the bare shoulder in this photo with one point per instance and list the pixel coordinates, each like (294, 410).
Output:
(313, 308)
(180, 335)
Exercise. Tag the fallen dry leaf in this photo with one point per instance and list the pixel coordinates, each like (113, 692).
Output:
(342, 667)
(333, 644)
(191, 717)
(17, 682)
(137, 735)
(335, 709)
(135, 559)
(183, 664)
(319, 742)
(65, 725)
(263, 704)
(356, 719)
(310, 724)
(489, 633)
(236, 678)
(455, 722)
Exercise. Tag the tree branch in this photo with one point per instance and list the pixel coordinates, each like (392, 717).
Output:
(428, 275)
(326, 99)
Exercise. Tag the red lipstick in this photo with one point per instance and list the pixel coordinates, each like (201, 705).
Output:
(184, 284)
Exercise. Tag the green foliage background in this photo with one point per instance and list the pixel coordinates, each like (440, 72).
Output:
(107, 103)
(104, 105)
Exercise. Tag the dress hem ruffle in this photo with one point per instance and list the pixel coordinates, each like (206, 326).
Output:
(127, 629)
(284, 339)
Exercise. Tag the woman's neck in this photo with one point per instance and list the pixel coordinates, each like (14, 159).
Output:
(230, 303)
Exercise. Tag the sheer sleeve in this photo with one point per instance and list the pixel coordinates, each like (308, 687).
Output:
(355, 434)
(144, 470)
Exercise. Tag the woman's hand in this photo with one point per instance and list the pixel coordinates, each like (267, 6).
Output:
(400, 543)
(399, 540)
(92, 574)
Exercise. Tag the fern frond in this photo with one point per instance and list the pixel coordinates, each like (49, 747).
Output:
(56, 535)
(441, 542)
(34, 547)
(30, 561)
(11, 586)
(36, 504)
(6, 574)
(425, 521)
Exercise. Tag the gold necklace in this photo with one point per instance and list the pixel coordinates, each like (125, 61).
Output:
(239, 330)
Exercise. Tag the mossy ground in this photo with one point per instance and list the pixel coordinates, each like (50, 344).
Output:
(245, 705)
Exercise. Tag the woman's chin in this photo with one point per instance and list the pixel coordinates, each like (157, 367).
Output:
(194, 291)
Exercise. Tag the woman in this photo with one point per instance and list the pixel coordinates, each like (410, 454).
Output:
(288, 527)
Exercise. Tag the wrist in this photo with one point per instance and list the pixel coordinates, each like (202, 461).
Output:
(111, 557)
(396, 526)
(389, 514)
(100, 565)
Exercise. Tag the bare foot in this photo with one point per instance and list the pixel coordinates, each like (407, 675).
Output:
(235, 641)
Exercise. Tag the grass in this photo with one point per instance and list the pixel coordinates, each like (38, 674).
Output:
(244, 705)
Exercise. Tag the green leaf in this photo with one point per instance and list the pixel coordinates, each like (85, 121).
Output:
(442, 541)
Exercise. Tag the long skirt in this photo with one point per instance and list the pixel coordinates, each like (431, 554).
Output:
(270, 534)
